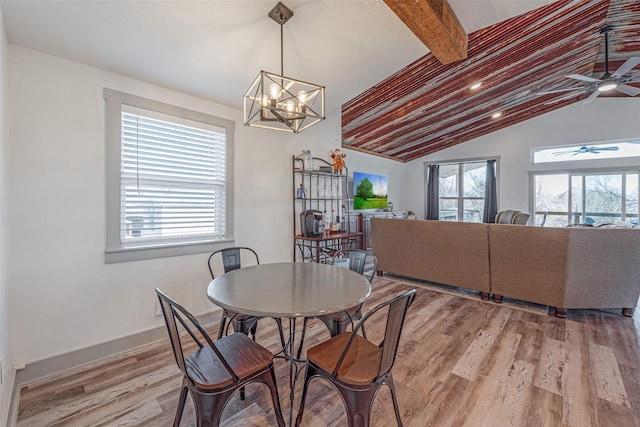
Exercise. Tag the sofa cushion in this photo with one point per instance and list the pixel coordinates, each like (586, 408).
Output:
(452, 253)
(529, 263)
(603, 268)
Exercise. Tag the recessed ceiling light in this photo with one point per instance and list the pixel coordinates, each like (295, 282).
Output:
(496, 114)
(475, 86)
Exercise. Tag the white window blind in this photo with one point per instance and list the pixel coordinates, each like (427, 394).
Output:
(173, 179)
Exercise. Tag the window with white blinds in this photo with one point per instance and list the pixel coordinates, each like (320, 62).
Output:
(173, 175)
(173, 180)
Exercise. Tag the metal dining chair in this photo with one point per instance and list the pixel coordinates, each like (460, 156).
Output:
(362, 263)
(214, 370)
(357, 367)
(224, 261)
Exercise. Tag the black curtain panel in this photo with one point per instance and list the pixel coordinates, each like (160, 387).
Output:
(433, 184)
(490, 196)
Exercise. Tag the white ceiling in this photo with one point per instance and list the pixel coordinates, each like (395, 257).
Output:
(214, 49)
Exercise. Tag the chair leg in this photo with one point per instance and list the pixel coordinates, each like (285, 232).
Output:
(396, 408)
(311, 372)
(269, 378)
(209, 407)
(253, 330)
(336, 327)
(358, 404)
(181, 402)
(304, 330)
(223, 324)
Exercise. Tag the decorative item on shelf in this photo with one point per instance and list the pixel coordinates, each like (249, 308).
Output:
(307, 160)
(338, 161)
(282, 103)
(301, 193)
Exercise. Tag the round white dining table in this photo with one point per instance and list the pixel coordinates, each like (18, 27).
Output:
(291, 290)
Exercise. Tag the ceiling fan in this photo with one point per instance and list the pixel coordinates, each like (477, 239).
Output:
(585, 150)
(609, 81)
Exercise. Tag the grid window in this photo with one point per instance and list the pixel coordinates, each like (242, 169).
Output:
(172, 172)
(462, 190)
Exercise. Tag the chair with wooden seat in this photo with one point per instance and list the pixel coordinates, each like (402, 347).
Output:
(224, 261)
(213, 371)
(362, 262)
(357, 367)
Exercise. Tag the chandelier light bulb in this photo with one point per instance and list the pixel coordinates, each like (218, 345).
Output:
(289, 105)
(274, 89)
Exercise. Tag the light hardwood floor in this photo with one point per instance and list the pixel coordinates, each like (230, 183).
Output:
(462, 362)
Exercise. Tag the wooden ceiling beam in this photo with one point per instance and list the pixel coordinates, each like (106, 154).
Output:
(436, 25)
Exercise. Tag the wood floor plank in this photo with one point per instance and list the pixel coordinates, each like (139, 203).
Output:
(471, 363)
(552, 360)
(461, 361)
(578, 379)
(502, 358)
(609, 385)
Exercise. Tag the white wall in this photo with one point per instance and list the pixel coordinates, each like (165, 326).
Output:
(5, 320)
(328, 136)
(602, 120)
(63, 295)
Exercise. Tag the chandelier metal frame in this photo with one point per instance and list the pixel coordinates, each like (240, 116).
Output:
(282, 103)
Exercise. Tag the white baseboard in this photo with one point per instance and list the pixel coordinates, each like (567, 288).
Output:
(7, 408)
(54, 365)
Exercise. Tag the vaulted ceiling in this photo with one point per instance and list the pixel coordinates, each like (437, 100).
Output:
(428, 106)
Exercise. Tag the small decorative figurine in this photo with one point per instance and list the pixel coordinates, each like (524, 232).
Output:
(302, 192)
(338, 160)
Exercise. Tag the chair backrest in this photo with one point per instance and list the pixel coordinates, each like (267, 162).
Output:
(360, 261)
(177, 318)
(228, 259)
(397, 311)
(520, 218)
(512, 217)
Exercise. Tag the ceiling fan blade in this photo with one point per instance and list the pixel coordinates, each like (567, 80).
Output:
(583, 78)
(626, 67)
(605, 149)
(629, 90)
(591, 97)
(632, 77)
(576, 89)
(563, 98)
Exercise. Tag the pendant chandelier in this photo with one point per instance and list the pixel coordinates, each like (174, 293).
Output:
(282, 103)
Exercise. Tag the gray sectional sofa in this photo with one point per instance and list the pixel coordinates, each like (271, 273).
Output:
(565, 268)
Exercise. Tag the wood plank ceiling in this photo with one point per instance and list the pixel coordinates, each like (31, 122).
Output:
(428, 106)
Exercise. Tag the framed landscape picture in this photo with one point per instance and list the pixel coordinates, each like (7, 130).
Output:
(369, 191)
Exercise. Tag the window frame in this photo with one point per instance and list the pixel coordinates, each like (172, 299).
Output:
(578, 172)
(460, 163)
(115, 251)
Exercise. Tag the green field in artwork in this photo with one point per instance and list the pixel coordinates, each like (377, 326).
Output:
(375, 203)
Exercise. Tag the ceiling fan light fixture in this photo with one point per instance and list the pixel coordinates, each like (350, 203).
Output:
(475, 86)
(496, 115)
(282, 103)
(607, 85)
